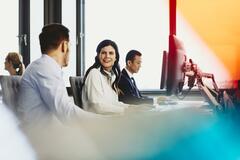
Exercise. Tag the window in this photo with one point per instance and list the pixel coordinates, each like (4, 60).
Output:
(9, 31)
(36, 24)
(132, 25)
(69, 20)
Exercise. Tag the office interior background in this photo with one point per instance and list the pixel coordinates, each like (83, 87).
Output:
(208, 29)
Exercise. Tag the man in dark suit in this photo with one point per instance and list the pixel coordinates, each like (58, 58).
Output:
(129, 92)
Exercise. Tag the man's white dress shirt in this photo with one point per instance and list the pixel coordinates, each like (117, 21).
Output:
(43, 95)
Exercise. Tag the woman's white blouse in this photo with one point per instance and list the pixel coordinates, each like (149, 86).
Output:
(98, 95)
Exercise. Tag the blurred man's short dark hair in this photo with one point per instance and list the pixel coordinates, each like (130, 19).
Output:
(52, 35)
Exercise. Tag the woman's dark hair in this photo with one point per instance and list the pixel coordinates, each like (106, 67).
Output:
(97, 64)
(16, 60)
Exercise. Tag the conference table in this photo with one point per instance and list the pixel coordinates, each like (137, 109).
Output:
(175, 130)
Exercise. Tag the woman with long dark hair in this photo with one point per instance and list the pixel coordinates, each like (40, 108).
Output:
(100, 88)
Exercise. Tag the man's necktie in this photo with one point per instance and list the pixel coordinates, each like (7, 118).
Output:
(135, 87)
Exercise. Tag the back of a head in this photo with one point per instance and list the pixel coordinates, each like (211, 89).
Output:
(52, 35)
(16, 60)
(131, 55)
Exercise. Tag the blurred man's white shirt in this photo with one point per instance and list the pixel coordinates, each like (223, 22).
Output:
(13, 143)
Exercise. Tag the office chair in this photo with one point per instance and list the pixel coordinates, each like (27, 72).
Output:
(10, 87)
(76, 86)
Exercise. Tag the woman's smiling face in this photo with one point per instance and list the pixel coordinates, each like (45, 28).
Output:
(107, 57)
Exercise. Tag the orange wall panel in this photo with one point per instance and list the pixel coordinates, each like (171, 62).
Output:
(217, 23)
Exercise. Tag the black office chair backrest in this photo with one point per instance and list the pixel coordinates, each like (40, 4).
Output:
(76, 86)
(10, 87)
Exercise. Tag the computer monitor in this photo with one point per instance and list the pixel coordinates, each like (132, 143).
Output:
(164, 70)
(176, 60)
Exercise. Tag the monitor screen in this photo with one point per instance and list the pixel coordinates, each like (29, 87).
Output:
(164, 70)
(175, 62)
